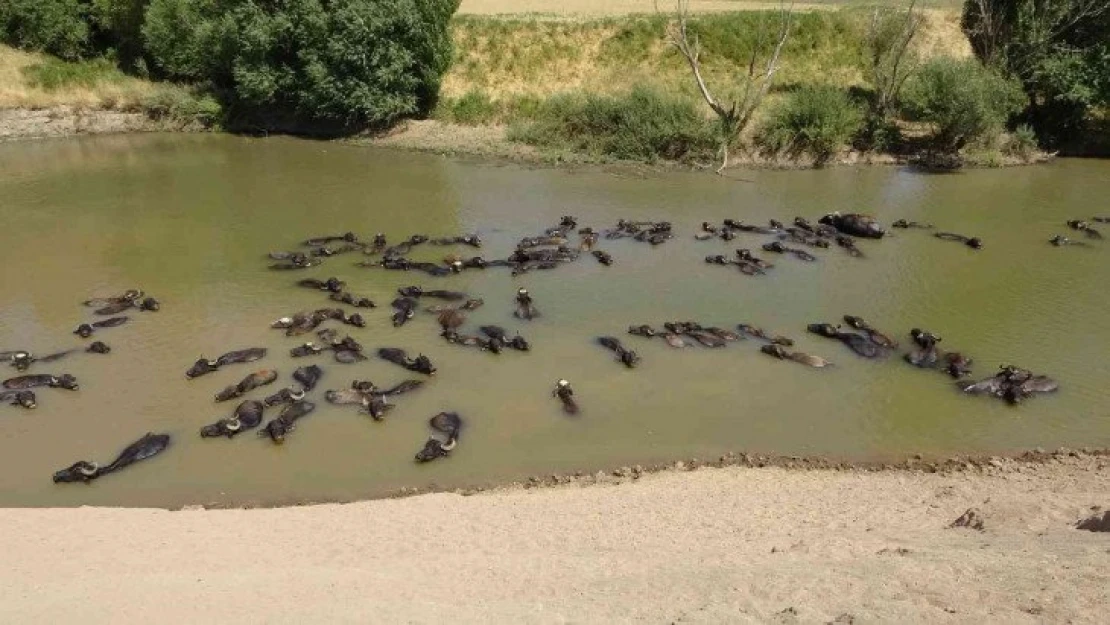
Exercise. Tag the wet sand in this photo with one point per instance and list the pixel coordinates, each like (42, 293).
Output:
(732, 544)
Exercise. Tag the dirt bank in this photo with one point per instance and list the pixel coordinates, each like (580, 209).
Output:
(64, 121)
(713, 545)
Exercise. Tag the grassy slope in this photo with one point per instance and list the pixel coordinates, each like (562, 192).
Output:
(563, 8)
(528, 55)
(517, 60)
(31, 81)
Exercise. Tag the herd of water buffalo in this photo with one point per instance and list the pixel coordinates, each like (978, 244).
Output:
(544, 252)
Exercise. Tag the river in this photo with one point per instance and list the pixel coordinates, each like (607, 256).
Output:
(189, 219)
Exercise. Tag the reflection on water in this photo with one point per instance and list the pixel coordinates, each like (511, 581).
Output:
(189, 219)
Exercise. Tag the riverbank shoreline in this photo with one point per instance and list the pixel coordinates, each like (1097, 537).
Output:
(491, 142)
(68, 121)
(996, 465)
(428, 136)
(732, 544)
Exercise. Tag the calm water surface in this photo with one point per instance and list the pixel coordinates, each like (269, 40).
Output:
(189, 219)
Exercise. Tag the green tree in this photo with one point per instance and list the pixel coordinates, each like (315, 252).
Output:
(888, 62)
(961, 100)
(58, 27)
(1056, 48)
(338, 63)
(117, 26)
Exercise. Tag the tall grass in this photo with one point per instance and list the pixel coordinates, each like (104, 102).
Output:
(53, 74)
(42, 81)
(640, 125)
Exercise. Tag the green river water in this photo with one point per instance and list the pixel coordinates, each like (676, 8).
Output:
(189, 219)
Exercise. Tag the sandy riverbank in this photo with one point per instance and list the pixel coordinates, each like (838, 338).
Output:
(730, 544)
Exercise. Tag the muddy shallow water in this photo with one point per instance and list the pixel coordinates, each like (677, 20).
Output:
(189, 219)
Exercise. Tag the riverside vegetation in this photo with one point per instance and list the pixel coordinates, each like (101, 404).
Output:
(995, 83)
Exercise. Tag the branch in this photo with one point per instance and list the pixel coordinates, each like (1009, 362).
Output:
(679, 37)
(787, 20)
(909, 31)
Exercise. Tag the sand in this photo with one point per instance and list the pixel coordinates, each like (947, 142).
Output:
(714, 545)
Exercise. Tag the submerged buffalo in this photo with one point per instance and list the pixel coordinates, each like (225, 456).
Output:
(854, 224)
(420, 364)
(565, 394)
(248, 415)
(974, 243)
(1012, 384)
(23, 399)
(447, 423)
(778, 351)
(525, 307)
(65, 381)
(626, 356)
(203, 366)
(286, 422)
(85, 471)
(308, 376)
(859, 344)
(85, 330)
(248, 384)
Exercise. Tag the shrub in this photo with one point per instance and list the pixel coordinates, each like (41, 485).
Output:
(183, 105)
(642, 125)
(343, 63)
(1022, 142)
(961, 100)
(815, 120)
(58, 27)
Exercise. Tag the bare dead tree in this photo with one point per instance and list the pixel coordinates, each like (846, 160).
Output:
(889, 36)
(733, 115)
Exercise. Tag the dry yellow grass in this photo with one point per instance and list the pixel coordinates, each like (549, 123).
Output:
(17, 91)
(609, 8)
(519, 56)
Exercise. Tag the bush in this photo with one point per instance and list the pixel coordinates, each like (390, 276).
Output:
(58, 27)
(344, 63)
(961, 100)
(815, 120)
(642, 125)
(1022, 142)
(183, 105)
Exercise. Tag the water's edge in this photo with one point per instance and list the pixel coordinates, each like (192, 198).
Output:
(996, 464)
(430, 136)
